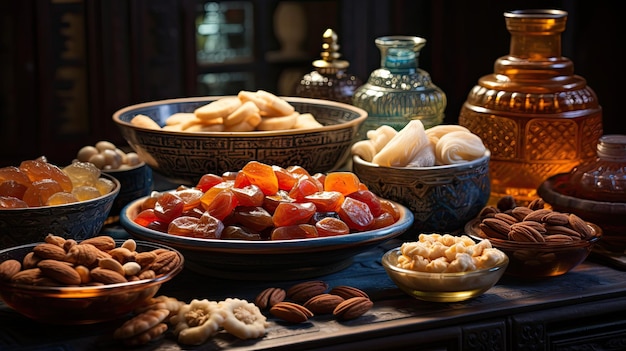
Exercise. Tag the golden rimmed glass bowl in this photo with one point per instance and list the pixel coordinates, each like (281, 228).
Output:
(442, 287)
(73, 305)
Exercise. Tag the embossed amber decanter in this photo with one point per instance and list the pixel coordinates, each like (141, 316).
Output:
(534, 114)
(399, 91)
(330, 79)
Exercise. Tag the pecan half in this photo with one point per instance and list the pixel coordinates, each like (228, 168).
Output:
(323, 303)
(347, 292)
(291, 312)
(303, 291)
(269, 297)
(352, 308)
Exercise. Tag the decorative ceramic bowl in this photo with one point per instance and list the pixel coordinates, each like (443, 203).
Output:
(442, 198)
(78, 220)
(268, 259)
(81, 304)
(135, 182)
(183, 157)
(539, 259)
(442, 287)
(610, 216)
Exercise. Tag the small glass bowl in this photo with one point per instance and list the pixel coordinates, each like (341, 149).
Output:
(73, 305)
(441, 287)
(539, 259)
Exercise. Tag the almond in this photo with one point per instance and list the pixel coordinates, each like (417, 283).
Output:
(579, 225)
(30, 260)
(84, 254)
(506, 217)
(122, 254)
(62, 272)
(352, 308)
(525, 233)
(537, 215)
(348, 291)
(556, 218)
(55, 239)
(291, 312)
(537, 204)
(27, 276)
(49, 251)
(520, 212)
(269, 297)
(102, 242)
(112, 264)
(497, 225)
(165, 262)
(561, 229)
(323, 303)
(106, 276)
(303, 291)
(145, 259)
(9, 268)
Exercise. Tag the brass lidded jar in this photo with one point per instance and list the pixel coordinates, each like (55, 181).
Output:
(533, 113)
(330, 79)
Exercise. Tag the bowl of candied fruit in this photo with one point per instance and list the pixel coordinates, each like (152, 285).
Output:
(182, 139)
(38, 197)
(444, 267)
(268, 222)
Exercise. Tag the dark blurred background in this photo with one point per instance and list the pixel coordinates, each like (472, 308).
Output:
(67, 66)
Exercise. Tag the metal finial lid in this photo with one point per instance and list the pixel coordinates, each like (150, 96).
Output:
(330, 52)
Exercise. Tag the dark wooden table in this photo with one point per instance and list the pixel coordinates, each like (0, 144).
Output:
(587, 306)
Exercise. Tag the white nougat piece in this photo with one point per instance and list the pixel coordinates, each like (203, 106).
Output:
(381, 136)
(458, 147)
(436, 132)
(403, 147)
(425, 157)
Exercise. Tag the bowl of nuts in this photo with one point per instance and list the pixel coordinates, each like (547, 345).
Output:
(540, 242)
(62, 281)
(182, 139)
(445, 268)
(134, 175)
(38, 197)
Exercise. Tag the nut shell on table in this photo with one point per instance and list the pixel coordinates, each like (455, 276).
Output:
(347, 292)
(269, 297)
(323, 303)
(291, 312)
(352, 308)
(302, 292)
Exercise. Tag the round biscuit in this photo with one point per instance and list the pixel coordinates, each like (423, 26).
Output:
(278, 123)
(179, 117)
(248, 125)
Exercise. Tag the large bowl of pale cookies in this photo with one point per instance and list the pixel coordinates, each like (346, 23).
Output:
(183, 139)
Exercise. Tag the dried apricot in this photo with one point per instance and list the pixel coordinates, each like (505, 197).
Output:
(343, 182)
(292, 213)
(300, 231)
(261, 175)
(330, 226)
(356, 214)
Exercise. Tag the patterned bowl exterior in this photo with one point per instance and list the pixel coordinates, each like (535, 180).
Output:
(183, 157)
(442, 198)
(78, 221)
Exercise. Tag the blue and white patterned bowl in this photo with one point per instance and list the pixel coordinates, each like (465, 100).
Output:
(442, 198)
(183, 157)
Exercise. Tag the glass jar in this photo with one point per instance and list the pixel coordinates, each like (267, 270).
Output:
(533, 113)
(399, 91)
(329, 80)
(603, 178)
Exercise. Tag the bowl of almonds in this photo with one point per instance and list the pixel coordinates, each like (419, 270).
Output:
(540, 242)
(182, 139)
(62, 281)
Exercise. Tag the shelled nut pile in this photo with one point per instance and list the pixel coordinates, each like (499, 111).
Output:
(533, 223)
(304, 300)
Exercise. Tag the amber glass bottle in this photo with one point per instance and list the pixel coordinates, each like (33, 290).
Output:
(534, 114)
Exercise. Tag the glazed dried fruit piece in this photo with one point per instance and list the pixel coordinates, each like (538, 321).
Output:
(352, 308)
